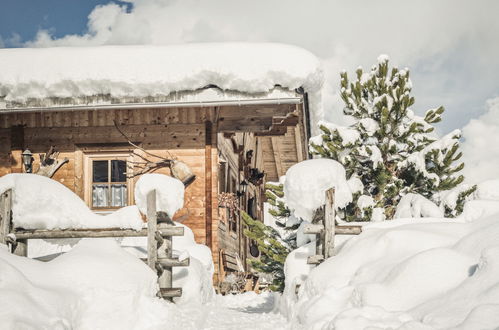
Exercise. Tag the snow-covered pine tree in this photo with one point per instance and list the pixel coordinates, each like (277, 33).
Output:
(388, 148)
(273, 250)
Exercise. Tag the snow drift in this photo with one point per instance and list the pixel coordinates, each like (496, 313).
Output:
(429, 273)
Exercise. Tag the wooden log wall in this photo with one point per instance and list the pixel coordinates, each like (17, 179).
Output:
(181, 131)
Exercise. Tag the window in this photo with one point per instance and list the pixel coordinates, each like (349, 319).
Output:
(106, 184)
(109, 187)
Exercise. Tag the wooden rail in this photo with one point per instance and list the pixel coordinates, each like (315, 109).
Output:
(159, 232)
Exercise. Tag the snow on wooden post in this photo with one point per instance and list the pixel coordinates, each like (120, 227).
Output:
(160, 229)
(5, 215)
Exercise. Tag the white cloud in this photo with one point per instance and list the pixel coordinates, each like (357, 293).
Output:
(450, 45)
(481, 145)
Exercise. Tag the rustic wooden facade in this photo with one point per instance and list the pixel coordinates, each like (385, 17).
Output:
(224, 144)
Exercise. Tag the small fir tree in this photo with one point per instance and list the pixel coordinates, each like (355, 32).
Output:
(273, 250)
(388, 149)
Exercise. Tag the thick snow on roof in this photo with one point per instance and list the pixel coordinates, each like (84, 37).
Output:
(154, 70)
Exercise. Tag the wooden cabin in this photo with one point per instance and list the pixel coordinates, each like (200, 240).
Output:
(225, 136)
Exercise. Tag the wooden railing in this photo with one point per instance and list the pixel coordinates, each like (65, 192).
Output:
(159, 232)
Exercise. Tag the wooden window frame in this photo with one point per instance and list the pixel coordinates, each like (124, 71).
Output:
(88, 180)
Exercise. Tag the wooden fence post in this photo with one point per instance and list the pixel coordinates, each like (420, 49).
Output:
(152, 228)
(324, 229)
(5, 215)
(329, 224)
(160, 248)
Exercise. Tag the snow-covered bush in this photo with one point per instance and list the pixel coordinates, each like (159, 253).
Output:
(388, 148)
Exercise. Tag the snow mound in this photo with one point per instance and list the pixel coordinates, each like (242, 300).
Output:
(97, 285)
(169, 193)
(432, 273)
(307, 182)
(488, 190)
(417, 206)
(43, 203)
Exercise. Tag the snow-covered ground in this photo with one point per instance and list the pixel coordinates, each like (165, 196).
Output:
(406, 274)
(247, 311)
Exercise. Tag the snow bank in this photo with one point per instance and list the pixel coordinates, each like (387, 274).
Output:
(406, 274)
(195, 280)
(307, 182)
(43, 203)
(169, 193)
(487, 190)
(97, 285)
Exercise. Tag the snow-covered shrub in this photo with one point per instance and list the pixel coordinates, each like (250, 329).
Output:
(388, 148)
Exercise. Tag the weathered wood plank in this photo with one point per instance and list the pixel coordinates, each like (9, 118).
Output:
(5, 215)
(277, 156)
(329, 224)
(348, 230)
(315, 259)
(94, 233)
(173, 262)
(313, 228)
(170, 292)
(21, 248)
(152, 224)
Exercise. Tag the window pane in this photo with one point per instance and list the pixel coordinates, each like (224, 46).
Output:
(99, 195)
(118, 171)
(99, 169)
(118, 195)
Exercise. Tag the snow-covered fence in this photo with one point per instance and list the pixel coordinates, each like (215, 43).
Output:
(324, 227)
(159, 232)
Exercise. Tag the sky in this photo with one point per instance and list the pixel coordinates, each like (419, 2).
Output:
(450, 46)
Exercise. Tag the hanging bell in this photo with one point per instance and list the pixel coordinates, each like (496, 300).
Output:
(181, 171)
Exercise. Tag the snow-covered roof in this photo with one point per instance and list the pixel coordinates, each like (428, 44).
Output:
(111, 74)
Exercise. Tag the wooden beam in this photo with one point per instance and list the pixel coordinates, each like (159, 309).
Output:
(174, 262)
(21, 248)
(277, 156)
(329, 224)
(170, 292)
(315, 259)
(299, 144)
(348, 230)
(5, 215)
(94, 233)
(313, 228)
(152, 224)
(208, 184)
